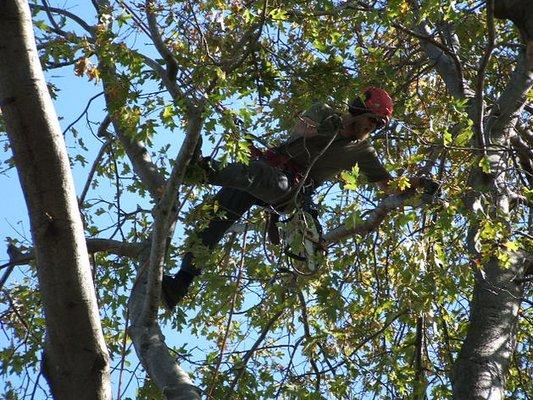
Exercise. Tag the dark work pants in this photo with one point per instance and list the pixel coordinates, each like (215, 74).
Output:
(242, 187)
(235, 203)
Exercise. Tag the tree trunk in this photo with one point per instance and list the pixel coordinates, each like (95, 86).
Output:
(479, 371)
(75, 357)
(483, 362)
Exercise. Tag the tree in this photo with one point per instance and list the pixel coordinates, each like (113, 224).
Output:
(416, 300)
(75, 358)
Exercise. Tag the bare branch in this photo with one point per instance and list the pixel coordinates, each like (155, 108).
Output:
(164, 218)
(479, 104)
(375, 218)
(103, 127)
(150, 346)
(504, 114)
(436, 51)
(526, 135)
(15, 256)
(145, 297)
(250, 353)
(141, 162)
(82, 113)
(125, 249)
(172, 64)
(522, 147)
(65, 13)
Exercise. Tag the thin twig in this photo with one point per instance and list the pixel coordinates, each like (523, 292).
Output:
(83, 113)
(65, 13)
(250, 353)
(96, 162)
(480, 81)
(231, 313)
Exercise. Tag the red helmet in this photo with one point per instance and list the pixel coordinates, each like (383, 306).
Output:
(378, 101)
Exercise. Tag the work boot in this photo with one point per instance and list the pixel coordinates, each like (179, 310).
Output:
(174, 289)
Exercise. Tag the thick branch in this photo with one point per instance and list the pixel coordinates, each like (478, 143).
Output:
(479, 105)
(447, 63)
(526, 135)
(446, 60)
(375, 218)
(124, 249)
(150, 346)
(511, 102)
(141, 161)
(172, 64)
(145, 297)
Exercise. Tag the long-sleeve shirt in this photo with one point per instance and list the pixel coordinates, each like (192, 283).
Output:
(328, 153)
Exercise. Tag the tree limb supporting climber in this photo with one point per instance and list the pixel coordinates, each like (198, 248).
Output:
(322, 143)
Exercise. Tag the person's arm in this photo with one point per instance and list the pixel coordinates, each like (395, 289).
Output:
(305, 127)
(316, 120)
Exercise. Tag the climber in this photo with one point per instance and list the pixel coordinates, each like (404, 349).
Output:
(323, 143)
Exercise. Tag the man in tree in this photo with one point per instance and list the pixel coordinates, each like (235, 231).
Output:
(322, 144)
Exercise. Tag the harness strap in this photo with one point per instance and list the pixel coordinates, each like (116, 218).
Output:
(277, 160)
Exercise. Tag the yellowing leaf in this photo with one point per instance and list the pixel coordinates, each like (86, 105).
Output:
(94, 74)
(463, 138)
(484, 164)
(168, 112)
(403, 183)
(529, 194)
(447, 138)
(350, 178)
(512, 246)
(404, 7)
(220, 74)
(81, 66)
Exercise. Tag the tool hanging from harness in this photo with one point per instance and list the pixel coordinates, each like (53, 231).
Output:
(301, 237)
(301, 233)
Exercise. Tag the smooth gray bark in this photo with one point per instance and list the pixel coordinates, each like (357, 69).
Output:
(483, 362)
(144, 300)
(481, 367)
(75, 356)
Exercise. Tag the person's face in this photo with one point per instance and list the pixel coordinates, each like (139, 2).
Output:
(359, 126)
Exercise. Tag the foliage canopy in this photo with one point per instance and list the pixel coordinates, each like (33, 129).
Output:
(387, 315)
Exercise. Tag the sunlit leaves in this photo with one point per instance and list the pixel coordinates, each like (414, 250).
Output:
(361, 307)
(484, 163)
(349, 178)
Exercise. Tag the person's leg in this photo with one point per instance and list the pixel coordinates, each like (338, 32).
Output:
(263, 181)
(235, 203)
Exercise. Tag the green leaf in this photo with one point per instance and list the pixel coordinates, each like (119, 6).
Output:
(447, 138)
(123, 19)
(464, 137)
(349, 179)
(484, 164)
